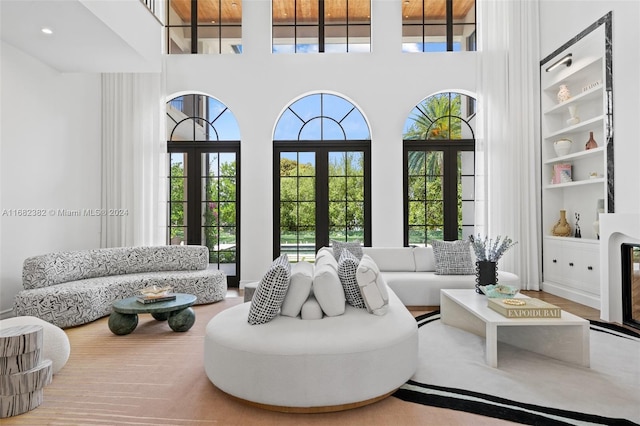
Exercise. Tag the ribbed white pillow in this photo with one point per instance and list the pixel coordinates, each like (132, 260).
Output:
(328, 290)
(311, 309)
(299, 289)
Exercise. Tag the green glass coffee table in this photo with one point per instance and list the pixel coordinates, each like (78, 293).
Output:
(179, 314)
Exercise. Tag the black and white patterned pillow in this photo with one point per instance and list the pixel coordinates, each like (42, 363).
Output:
(347, 267)
(270, 292)
(453, 257)
(354, 247)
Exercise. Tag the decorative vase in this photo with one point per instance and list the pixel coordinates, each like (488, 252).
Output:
(591, 143)
(573, 117)
(562, 227)
(562, 147)
(563, 94)
(486, 274)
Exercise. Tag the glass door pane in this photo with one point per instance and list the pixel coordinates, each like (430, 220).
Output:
(425, 197)
(218, 209)
(346, 196)
(466, 194)
(178, 199)
(298, 205)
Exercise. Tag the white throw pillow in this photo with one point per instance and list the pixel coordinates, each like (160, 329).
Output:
(453, 257)
(299, 289)
(328, 290)
(372, 286)
(311, 309)
(270, 292)
(325, 257)
(347, 267)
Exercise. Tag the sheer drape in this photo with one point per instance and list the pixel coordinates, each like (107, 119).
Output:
(508, 109)
(133, 160)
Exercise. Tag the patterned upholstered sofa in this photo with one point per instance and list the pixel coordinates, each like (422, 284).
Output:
(77, 287)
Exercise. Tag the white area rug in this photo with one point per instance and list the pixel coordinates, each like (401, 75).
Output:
(526, 387)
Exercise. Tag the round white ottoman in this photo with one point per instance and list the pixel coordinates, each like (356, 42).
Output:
(296, 365)
(55, 341)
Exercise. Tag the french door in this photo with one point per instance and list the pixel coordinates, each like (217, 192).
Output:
(204, 201)
(321, 193)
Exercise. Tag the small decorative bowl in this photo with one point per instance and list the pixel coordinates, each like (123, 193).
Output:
(499, 291)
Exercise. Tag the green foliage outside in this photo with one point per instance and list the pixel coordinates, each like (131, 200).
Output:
(298, 199)
(438, 120)
(219, 209)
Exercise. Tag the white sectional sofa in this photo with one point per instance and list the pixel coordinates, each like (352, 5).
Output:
(295, 365)
(77, 287)
(410, 273)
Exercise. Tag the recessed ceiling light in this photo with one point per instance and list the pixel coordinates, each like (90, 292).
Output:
(46, 30)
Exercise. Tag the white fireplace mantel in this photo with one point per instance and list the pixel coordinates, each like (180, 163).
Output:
(615, 229)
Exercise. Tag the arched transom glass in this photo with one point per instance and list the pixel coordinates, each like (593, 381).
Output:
(321, 116)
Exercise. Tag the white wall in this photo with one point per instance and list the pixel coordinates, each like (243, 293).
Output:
(49, 160)
(561, 21)
(258, 85)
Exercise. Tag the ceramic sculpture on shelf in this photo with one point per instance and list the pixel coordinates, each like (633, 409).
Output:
(563, 94)
(562, 227)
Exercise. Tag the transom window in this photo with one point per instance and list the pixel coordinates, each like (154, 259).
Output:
(322, 176)
(312, 26)
(204, 26)
(439, 169)
(438, 25)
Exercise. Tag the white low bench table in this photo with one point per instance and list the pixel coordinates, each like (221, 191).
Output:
(565, 338)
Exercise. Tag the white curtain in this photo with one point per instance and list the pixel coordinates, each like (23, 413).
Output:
(508, 132)
(133, 160)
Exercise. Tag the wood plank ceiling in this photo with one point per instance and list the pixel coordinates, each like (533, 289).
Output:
(307, 10)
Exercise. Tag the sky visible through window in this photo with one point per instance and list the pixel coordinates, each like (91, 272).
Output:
(341, 48)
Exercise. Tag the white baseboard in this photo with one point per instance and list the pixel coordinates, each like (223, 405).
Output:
(7, 313)
(587, 299)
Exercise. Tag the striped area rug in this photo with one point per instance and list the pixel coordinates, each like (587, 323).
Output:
(528, 388)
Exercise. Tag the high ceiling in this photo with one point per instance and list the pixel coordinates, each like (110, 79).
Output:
(87, 36)
(307, 10)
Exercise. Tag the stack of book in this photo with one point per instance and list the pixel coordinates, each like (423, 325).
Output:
(561, 173)
(155, 294)
(524, 308)
(146, 298)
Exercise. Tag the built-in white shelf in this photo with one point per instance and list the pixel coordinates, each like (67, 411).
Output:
(587, 95)
(576, 155)
(583, 125)
(575, 183)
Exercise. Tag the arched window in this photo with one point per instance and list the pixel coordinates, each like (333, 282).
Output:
(439, 169)
(204, 169)
(322, 177)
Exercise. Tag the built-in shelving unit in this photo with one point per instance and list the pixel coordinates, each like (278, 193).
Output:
(570, 264)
